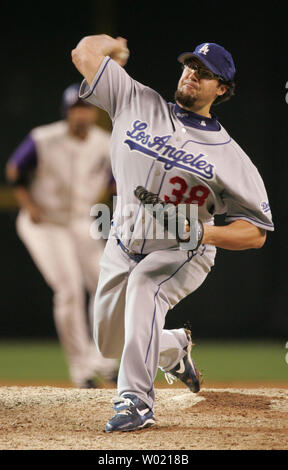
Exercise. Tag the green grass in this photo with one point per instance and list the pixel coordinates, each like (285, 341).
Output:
(241, 361)
(220, 361)
(32, 360)
(249, 361)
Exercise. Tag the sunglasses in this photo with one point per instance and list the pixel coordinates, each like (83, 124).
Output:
(201, 72)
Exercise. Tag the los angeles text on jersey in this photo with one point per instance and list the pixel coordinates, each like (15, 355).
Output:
(157, 147)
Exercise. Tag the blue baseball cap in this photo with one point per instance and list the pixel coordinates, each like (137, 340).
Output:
(215, 57)
(71, 98)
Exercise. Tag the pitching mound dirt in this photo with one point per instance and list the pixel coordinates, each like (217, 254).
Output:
(47, 418)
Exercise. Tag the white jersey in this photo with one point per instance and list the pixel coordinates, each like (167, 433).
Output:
(70, 174)
(154, 146)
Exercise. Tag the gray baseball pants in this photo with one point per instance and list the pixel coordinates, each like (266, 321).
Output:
(131, 303)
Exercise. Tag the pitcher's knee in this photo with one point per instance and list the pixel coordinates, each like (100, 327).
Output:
(140, 281)
(109, 346)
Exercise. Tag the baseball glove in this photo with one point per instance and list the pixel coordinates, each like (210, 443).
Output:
(187, 231)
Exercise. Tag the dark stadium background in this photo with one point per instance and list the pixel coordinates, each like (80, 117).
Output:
(245, 296)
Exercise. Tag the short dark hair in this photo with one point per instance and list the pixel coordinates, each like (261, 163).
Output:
(228, 93)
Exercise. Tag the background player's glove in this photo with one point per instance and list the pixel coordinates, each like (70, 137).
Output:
(186, 230)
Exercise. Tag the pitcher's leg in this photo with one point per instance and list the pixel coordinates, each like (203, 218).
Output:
(172, 346)
(105, 367)
(89, 253)
(109, 305)
(145, 311)
(151, 292)
(174, 343)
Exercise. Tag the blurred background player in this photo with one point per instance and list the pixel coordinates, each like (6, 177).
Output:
(58, 173)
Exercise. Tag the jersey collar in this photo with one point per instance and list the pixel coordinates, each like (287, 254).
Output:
(188, 118)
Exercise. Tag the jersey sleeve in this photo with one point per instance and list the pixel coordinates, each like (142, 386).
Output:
(25, 156)
(112, 88)
(245, 196)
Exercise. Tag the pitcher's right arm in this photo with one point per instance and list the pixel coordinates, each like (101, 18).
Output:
(91, 50)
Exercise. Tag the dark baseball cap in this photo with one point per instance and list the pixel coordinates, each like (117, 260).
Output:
(71, 98)
(215, 57)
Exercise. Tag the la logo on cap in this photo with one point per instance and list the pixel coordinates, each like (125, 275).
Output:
(204, 49)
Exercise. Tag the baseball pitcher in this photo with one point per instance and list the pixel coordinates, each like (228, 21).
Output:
(164, 154)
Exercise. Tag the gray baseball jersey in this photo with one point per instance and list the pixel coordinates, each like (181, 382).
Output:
(157, 145)
(184, 158)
